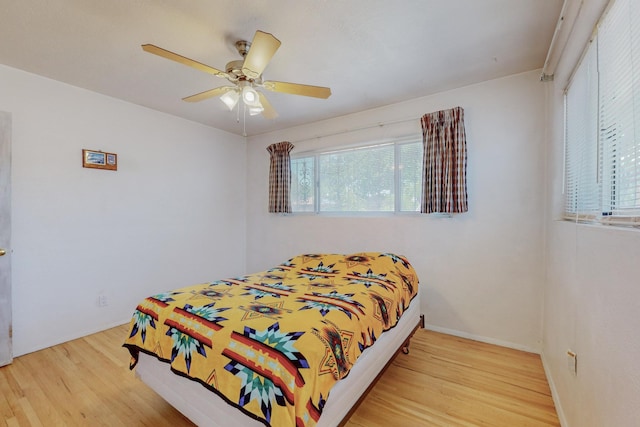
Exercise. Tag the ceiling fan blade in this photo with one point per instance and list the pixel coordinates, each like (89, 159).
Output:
(298, 89)
(263, 47)
(208, 94)
(269, 112)
(183, 60)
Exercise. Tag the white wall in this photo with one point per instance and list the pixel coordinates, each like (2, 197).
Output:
(172, 215)
(175, 214)
(592, 295)
(482, 270)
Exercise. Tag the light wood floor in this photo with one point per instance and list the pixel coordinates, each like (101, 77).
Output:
(444, 381)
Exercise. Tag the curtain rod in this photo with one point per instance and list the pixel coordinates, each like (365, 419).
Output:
(545, 76)
(380, 124)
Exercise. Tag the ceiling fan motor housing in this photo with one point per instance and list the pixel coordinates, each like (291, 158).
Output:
(234, 69)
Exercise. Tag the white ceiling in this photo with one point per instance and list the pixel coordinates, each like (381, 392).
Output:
(369, 52)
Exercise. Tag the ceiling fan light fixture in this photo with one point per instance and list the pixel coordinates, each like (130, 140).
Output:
(254, 111)
(250, 96)
(230, 99)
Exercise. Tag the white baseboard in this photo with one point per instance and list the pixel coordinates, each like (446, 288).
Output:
(482, 339)
(75, 336)
(554, 393)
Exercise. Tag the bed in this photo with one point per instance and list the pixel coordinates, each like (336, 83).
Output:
(279, 347)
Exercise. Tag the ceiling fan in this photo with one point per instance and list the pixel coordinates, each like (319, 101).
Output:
(246, 76)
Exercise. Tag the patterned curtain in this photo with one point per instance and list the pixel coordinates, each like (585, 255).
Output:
(280, 177)
(444, 173)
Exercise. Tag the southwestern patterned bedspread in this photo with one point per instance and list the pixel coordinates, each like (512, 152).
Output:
(274, 343)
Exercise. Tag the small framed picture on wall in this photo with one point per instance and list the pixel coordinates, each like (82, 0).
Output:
(99, 160)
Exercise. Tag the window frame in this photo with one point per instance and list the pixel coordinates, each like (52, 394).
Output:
(316, 154)
(599, 139)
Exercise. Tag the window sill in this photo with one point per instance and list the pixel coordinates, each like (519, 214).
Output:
(617, 222)
(370, 214)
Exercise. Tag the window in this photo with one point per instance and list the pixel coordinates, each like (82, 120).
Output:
(377, 178)
(602, 111)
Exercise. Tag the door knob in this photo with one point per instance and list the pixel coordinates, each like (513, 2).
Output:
(2, 252)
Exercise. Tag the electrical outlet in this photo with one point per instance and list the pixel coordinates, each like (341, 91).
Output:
(572, 362)
(102, 301)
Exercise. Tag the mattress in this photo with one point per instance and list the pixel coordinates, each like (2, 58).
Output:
(274, 344)
(207, 409)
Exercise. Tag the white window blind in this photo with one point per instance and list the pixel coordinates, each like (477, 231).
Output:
(619, 62)
(581, 165)
(602, 175)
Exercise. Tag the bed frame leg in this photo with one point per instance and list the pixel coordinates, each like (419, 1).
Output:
(405, 346)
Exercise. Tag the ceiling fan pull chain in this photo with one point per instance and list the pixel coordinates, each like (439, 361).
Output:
(244, 119)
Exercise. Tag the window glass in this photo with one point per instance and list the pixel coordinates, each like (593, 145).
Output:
(363, 179)
(357, 180)
(303, 184)
(410, 176)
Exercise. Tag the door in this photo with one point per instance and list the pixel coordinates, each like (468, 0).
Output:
(6, 354)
